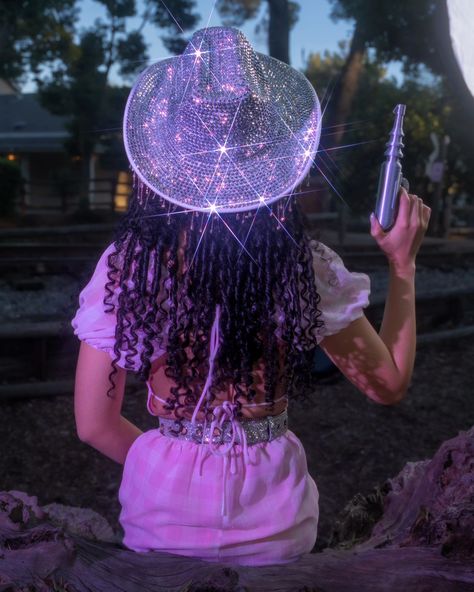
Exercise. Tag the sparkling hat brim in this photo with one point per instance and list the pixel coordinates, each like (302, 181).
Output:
(231, 154)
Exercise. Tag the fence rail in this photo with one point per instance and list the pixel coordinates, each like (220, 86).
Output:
(104, 193)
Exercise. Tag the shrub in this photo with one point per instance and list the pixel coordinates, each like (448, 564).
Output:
(10, 184)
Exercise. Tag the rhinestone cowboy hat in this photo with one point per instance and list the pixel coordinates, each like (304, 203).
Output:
(221, 127)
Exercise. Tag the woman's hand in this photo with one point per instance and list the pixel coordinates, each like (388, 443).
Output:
(402, 241)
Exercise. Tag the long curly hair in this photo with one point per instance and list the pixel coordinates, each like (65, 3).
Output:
(256, 265)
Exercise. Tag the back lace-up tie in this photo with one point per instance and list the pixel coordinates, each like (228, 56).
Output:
(223, 412)
(225, 428)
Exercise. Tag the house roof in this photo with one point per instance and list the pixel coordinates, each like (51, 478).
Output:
(25, 126)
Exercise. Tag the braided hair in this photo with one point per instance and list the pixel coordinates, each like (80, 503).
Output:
(256, 265)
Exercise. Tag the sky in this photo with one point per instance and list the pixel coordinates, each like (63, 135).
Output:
(314, 32)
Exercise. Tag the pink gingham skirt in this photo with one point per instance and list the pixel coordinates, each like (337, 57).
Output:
(172, 500)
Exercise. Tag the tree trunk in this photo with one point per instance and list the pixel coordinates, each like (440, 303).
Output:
(346, 87)
(339, 107)
(279, 30)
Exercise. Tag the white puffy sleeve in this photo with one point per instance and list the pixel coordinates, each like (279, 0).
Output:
(91, 323)
(344, 294)
(95, 326)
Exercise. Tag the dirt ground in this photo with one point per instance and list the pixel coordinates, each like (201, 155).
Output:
(351, 443)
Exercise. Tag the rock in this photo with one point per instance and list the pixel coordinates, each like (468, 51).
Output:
(428, 504)
(83, 522)
(19, 510)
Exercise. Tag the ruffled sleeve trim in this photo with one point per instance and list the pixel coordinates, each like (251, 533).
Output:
(344, 294)
(96, 327)
(91, 322)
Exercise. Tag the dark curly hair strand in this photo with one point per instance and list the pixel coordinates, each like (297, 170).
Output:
(264, 285)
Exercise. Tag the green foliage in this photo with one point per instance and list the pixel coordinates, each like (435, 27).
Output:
(34, 33)
(184, 17)
(177, 16)
(234, 13)
(324, 69)
(417, 34)
(128, 49)
(10, 184)
(401, 30)
(355, 169)
(80, 90)
(119, 9)
(78, 85)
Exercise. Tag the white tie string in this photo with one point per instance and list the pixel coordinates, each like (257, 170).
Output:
(221, 413)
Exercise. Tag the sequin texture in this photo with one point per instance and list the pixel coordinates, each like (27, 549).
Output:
(221, 127)
(257, 430)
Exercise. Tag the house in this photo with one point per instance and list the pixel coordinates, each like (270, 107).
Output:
(35, 138)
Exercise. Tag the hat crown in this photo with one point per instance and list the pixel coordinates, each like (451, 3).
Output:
(221, 125)
(220, 65)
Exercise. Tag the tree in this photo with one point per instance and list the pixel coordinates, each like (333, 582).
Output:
(32, 33)
(416, 33)
(356, 168)
(78, 85)
(280, 18)
(176, 16)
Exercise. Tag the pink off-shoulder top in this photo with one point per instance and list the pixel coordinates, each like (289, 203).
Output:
(344, 295)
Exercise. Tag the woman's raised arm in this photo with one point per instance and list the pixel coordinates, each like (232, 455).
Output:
(381, 365)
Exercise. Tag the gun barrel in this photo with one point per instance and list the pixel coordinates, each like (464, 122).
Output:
(395, 142)
(391, 173)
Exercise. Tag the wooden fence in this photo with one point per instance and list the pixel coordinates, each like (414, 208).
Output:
(109, 194)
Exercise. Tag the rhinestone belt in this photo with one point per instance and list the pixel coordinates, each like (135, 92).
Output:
(257, 430)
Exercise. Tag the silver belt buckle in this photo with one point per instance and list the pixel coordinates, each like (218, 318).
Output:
(276, 425)
(254, 430)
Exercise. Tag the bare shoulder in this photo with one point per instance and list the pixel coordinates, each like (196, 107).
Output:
(364, 359)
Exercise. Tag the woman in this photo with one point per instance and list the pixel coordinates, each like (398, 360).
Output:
(215, 296)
